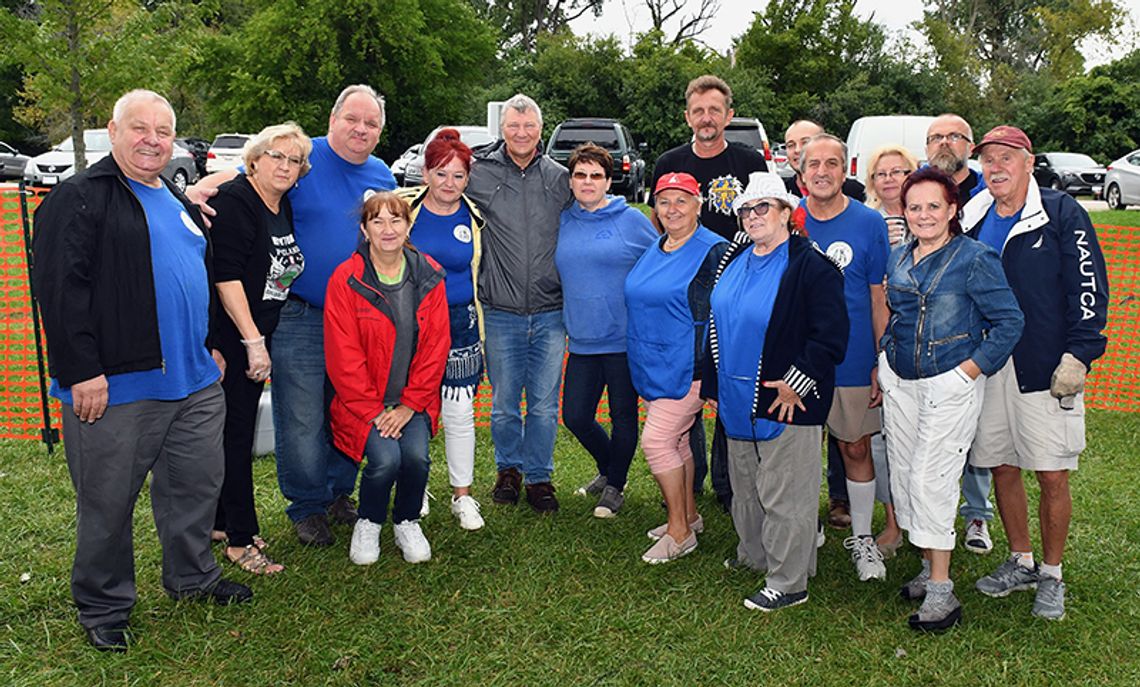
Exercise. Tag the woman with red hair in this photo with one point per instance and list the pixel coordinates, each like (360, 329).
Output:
(446, 226)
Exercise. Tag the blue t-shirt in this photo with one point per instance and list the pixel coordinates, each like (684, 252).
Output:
(448, 240)
(182, 300)
(856, 239)
(996, 228)
(595, 252)
(742, 307)
(326, 214)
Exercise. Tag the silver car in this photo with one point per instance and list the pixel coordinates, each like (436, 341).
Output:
(12, 163)
(473, 136)
(59, 163)
(1122, 182)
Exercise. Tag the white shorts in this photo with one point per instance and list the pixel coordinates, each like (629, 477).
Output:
(1027, 430)
(929, 424)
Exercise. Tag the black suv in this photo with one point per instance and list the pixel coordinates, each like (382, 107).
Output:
(1072, 173)
(629, 166)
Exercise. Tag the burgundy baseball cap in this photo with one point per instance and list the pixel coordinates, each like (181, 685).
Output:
(1007, 136)
(682, 181)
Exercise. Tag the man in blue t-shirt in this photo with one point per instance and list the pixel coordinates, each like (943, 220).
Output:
(855, 238)
(315, 478)
(122, 279)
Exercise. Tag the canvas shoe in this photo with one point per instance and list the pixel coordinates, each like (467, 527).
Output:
(1050, 600)
(867, 558)
(667, 549)
(466, 509)
(768, 599)
(610, 503)
(411, 541)
(978, 537)
(365, 547)
(1009, 577)
(940, 609)
(697, 526)
(593, 487)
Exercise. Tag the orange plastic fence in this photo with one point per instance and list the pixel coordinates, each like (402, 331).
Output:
(1113, 385)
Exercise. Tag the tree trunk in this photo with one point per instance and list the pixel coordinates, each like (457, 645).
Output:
(75, 86)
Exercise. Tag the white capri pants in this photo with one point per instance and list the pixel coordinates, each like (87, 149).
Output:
(930, 424)
(457, 410)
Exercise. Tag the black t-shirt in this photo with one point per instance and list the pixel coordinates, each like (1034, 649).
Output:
(851, 188)
(721, 177)
(966, 189)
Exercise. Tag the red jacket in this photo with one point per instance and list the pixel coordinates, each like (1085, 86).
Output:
(360, 336)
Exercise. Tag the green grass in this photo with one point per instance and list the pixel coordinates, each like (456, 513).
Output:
(1117, 218)
(565, 600)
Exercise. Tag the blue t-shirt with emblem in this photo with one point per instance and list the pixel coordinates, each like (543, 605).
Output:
(856, 239)
(996, 228)
(448, 240)
(182, 302)
(326, 214)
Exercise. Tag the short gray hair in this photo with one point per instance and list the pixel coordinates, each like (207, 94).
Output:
(139, 94)
(823, 137)
(520, 103)
(256, 146)
(359, 88)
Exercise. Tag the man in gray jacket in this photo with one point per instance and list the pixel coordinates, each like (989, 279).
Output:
(521, 193)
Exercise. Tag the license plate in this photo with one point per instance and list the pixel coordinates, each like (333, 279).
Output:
(51, 181)
(1096, 190)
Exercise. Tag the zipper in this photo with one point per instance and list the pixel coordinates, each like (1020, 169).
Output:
(957, 337)
(918, 331)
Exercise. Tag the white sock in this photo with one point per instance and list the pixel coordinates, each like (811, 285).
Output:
(925, 566)
(1023, 558)
(1053, 571)
(862, 498)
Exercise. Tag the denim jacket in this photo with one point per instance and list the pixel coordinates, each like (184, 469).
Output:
(954, 305)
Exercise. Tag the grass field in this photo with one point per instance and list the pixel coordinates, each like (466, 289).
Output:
(565, 600)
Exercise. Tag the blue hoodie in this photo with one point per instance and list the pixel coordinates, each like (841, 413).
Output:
(596, 250)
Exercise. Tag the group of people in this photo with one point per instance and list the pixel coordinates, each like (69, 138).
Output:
(788, 305)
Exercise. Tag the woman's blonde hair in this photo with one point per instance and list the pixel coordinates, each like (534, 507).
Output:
(873, 200)
(256, 146)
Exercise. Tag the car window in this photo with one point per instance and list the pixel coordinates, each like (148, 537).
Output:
(96, 141)
(1071, 160)
(1134, 159)
(5, 148)
(570, 138)
(229, 142)
(749, 136)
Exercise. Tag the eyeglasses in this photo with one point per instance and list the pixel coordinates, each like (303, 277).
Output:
(894, 174)
(279, 157)
(592, 176)
(953, 138)
(759, 209)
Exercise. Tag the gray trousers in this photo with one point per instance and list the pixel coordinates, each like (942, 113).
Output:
(180, 444)
(775, 499)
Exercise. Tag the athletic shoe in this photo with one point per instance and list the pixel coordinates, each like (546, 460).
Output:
(667, 549)
(1009, 577)
(411, 541)
(697, 526)
(915, 589)
(593, 487)
(820, 537)
(507, 487)
(1050, 600)
(466, 509)
(365, 547)
(940, 609)
(343, 510)
(838, 514)
(610, 503)
(541, 498)
(314, 530)
(867, 558)
(425, 507)
(768, 599)
(978, 537)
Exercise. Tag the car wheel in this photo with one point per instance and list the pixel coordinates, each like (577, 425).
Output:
(180, 180)
(1113, 198)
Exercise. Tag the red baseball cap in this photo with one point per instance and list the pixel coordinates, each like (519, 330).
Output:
(1007, 136)
(682, 181)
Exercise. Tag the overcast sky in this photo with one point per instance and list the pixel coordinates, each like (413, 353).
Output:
(624, 18)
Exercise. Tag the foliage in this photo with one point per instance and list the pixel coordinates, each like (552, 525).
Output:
(524, 21)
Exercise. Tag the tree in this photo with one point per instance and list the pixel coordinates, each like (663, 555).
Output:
(523, 21)
(690, 26)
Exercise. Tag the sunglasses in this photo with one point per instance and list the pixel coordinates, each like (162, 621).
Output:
(759, 209)
(593, 176)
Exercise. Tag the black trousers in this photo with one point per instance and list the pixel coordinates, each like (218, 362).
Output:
(236, 515)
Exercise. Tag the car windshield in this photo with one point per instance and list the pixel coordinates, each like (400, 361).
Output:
(1072, 160)
(748, 136)
(96, 141)
(230, 142)
(569, 139)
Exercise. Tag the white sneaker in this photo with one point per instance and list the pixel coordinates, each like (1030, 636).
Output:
(365, 547)
(977, 537)
(867, 558)
(426, 507)
(411, 541)
(466, 509)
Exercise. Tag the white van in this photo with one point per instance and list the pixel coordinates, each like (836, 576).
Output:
(869, 133)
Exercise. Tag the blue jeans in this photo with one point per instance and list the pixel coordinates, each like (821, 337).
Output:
(976, 492)
(524, 352)
(586, 377)
(310, 471)
(403, 463)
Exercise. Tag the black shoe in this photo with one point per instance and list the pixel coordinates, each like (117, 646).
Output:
(343, 510)
(725, 501)
(314, 530)
(541, 497)
(109, 637)
(226, 592)
(507, 487)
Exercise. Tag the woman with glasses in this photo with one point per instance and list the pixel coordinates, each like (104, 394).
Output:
(778, 329)
(256, 260)
(599, 240)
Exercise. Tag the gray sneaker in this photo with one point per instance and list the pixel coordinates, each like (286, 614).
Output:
(1009, 577)
(915, 590)
(593, 487)
(1050, 600)
(940, 609)
(610, 502)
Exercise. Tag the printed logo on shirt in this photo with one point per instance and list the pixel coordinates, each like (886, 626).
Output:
(462, 233)
(840, 253)
(603, 234)
(721, 192)
(189, 224)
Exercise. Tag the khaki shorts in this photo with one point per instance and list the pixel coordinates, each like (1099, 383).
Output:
(1027, 430)
(850, 419)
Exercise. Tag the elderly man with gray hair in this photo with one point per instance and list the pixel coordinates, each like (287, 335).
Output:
(522, 193)
(122, 276)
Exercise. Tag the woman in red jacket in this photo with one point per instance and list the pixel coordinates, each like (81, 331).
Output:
(386, 342)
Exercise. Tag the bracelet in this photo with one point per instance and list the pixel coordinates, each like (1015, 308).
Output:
(252, 342)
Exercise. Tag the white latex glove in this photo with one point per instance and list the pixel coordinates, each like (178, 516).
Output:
(1068, 378)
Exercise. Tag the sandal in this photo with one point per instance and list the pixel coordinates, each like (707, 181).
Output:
(253, 561)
